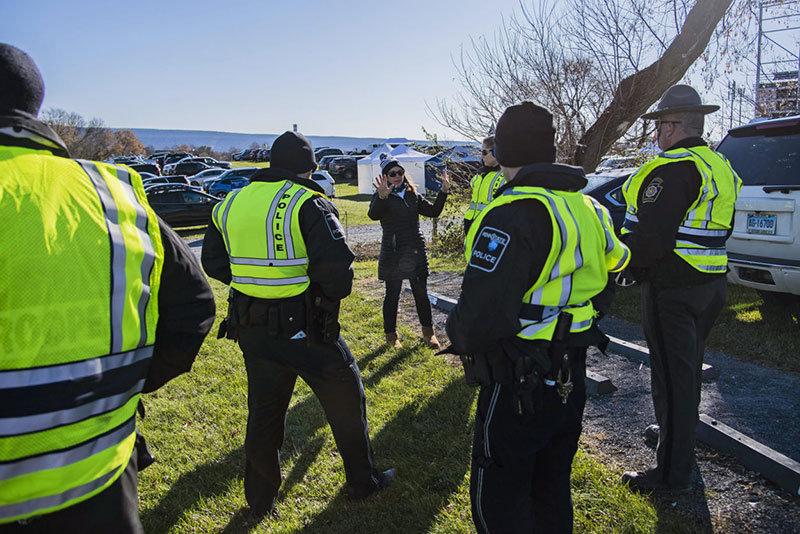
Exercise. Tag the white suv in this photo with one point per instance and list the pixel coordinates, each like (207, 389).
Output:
(764, 249)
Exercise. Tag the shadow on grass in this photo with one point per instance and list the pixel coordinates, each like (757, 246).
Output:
(204, 481)
(430, 447)
(357, 197)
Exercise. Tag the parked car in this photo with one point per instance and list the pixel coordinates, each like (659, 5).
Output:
(606, 188)
(262, 155)
(220, 187)
(179, 205)
(764, 248)
(152, 168)
(176, 179)
(324, 162)
(615, 162)
(190, 168)
(202, 176)
(327, 151)
(325, 180)
(344, 167)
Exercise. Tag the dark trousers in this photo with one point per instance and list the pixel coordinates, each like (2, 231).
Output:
(419, 288)
(115, 509)
(521, 464)
(273, 365)
(676, 323)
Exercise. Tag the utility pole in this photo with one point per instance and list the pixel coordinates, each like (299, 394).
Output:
(732, 95)
(740, 92)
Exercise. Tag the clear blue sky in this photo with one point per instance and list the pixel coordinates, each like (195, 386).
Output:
(349, 68)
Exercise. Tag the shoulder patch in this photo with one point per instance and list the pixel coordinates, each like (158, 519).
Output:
(335, 227)
(653, 189)
(488, 249)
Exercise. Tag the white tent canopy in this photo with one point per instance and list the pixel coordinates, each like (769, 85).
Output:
(411, 160)
(414, 164)
(369, 168)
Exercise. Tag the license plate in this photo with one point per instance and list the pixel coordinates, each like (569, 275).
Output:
(761, 224)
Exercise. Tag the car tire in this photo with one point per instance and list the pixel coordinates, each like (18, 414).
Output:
(222, 194)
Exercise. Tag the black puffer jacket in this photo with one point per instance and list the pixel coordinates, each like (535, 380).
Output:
(403, 254)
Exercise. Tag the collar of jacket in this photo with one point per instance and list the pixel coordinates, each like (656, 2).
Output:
(486, 170)
(688, 142)
(557, 176)
(275, 174)
(18, 128)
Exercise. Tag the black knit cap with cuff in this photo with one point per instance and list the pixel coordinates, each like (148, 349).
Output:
(21, 85)
(525, 134)
(293, 152)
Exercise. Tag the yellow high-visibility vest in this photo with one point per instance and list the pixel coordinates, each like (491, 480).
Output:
(261, 229)
(701, 236)
(483, 189)
(80, 268)
(584, 250)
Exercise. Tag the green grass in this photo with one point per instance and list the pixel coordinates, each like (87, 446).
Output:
(420, 413)
(238, 164)
(352, 206)
(748, 327)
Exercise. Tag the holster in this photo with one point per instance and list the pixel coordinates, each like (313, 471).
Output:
(229, 327)
(143, 456)
(322, 317)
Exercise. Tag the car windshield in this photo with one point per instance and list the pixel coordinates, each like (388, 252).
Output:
(764, 156)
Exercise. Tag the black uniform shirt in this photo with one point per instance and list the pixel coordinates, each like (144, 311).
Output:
(330, 260)
(488, 309)
(652, 242)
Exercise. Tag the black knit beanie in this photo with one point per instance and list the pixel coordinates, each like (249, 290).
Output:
(524, 134)
(21, 85)
(293, 152)
(388, 163)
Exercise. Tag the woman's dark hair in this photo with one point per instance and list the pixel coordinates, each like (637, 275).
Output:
(409, 185)
(488, 141)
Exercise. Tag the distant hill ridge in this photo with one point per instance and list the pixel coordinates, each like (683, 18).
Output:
(223, 141)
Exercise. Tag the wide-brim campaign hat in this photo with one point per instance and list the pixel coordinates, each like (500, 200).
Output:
(678, 99)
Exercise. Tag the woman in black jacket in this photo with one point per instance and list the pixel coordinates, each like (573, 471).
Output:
(397, 205)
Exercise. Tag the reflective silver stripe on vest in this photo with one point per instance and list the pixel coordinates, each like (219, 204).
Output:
(688, 230)
(270, 216)
(62, 458)
(224, 221)
(489, 194)
(269, 263)
(480, 206)
(287, 232)
(621, 262)
(72, 371)
(118, 252)
(270, 281)
(701, 251)
(14, 426)
(149, 258)
(566, 282)
(50, 501)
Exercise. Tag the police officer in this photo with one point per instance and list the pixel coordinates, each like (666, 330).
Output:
(484, 184)
(679, 215)
(278, 243)
(537, 255)
(99, 302)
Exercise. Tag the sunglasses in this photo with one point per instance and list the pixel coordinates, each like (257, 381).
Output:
(486, 152)
(400, 172)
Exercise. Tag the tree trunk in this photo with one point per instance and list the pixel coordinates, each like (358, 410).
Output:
(636, 93)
